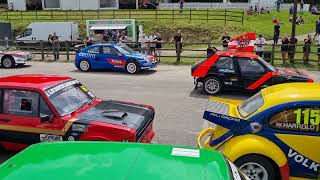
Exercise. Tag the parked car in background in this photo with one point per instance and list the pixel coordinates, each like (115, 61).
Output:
(12, 58)
(118, 161)
(241, 71)
(40, 108)
(275, 133)
(113, 57)
(39, 31)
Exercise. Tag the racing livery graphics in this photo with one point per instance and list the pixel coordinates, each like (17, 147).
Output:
(241, 70)
(47, 108)
(114, 158)
(113, 57)
(268, 135)
(9, 59)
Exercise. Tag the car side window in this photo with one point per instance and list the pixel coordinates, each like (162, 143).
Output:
(224, 63)
(44, 108)
(250, 66)
(94, 50)
(21, 103)
(298, 119)
(108, 50)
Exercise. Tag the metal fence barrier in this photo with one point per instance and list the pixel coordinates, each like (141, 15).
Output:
(60, 15)
(190, 51)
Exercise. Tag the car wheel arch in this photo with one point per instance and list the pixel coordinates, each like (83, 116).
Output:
(9, 57)
(257, 146)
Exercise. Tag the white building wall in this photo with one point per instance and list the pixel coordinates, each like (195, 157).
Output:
(19, 5)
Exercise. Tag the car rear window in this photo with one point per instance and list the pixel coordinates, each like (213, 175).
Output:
(251, 105)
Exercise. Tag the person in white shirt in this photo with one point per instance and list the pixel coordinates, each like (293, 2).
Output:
(143, 40)
(152, 41)
(260, 42)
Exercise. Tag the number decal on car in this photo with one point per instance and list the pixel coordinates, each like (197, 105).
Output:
(310, 116)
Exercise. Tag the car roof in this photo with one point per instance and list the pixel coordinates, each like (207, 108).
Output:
(290, 92)
(34, 81)
(116, 161)
(108, 44)
(237, 54)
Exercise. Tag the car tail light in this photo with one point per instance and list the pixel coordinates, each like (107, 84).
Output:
(310, 80)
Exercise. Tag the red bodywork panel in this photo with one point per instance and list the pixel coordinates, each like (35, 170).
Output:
(23, 127)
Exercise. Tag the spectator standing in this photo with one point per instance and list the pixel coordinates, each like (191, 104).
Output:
(278, 4)
(159, 41)
(225, 41)
(276, 33)
(290, 10)
(181, 5)
(292, 48)
(178, 40)
(143, 40)
(318, 44)
(317, 28)
(49, 44)
(284, 48)
(87, 41)
(152, 41)
(306, 49)
(55, 46)
(260, 42)
(123, 38)
(301, 5)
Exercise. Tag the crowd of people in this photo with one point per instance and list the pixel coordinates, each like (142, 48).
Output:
(151, 45)
(257, 10)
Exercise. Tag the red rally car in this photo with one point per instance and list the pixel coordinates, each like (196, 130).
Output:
(241, 70)
(38, 108)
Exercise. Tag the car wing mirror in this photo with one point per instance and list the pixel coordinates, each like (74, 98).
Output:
(120, 54)
(45, 118)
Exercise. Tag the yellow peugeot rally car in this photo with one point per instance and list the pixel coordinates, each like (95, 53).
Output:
(275, 134)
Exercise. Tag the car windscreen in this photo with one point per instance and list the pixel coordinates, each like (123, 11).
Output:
(69, 97)
(251, 105)
(125, 49)
(269, 66)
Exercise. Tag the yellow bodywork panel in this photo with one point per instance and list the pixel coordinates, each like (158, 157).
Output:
(239, 146)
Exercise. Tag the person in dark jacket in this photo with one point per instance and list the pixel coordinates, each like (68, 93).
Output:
(284, 48)
(306, 49)
(276, 33)
(292, 48)
(55, 46)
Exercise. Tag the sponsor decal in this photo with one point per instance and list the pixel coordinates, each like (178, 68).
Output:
(229, 118)
(310, 116)
(63, 86)
(50, 138)
(85, 89)
(87, 55)
(185, 152)
(117, 62)
(294, 126)
(78, 127)
(70, 138)
(300, 159)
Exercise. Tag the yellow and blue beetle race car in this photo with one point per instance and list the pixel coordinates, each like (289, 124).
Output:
(275, 134)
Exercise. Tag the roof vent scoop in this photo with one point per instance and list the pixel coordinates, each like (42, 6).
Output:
(114, 114)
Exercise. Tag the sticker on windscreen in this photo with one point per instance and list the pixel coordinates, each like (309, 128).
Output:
(60, 87)
(185, 152)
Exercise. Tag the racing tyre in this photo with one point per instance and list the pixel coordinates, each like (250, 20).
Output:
(84, 65)
(257, 167)
(212, 85)
(132, 67)
(8, 62)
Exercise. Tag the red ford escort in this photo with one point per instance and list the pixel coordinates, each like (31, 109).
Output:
(43, 108)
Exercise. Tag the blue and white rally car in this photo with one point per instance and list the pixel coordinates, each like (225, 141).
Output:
(113, 57)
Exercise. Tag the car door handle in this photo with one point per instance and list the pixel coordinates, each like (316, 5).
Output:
(4, 120)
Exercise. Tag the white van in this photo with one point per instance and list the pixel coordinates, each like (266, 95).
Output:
(67, 31)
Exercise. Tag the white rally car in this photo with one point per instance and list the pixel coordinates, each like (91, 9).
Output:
(9, 59)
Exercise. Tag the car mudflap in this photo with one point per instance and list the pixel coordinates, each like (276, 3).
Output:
(220, 112)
